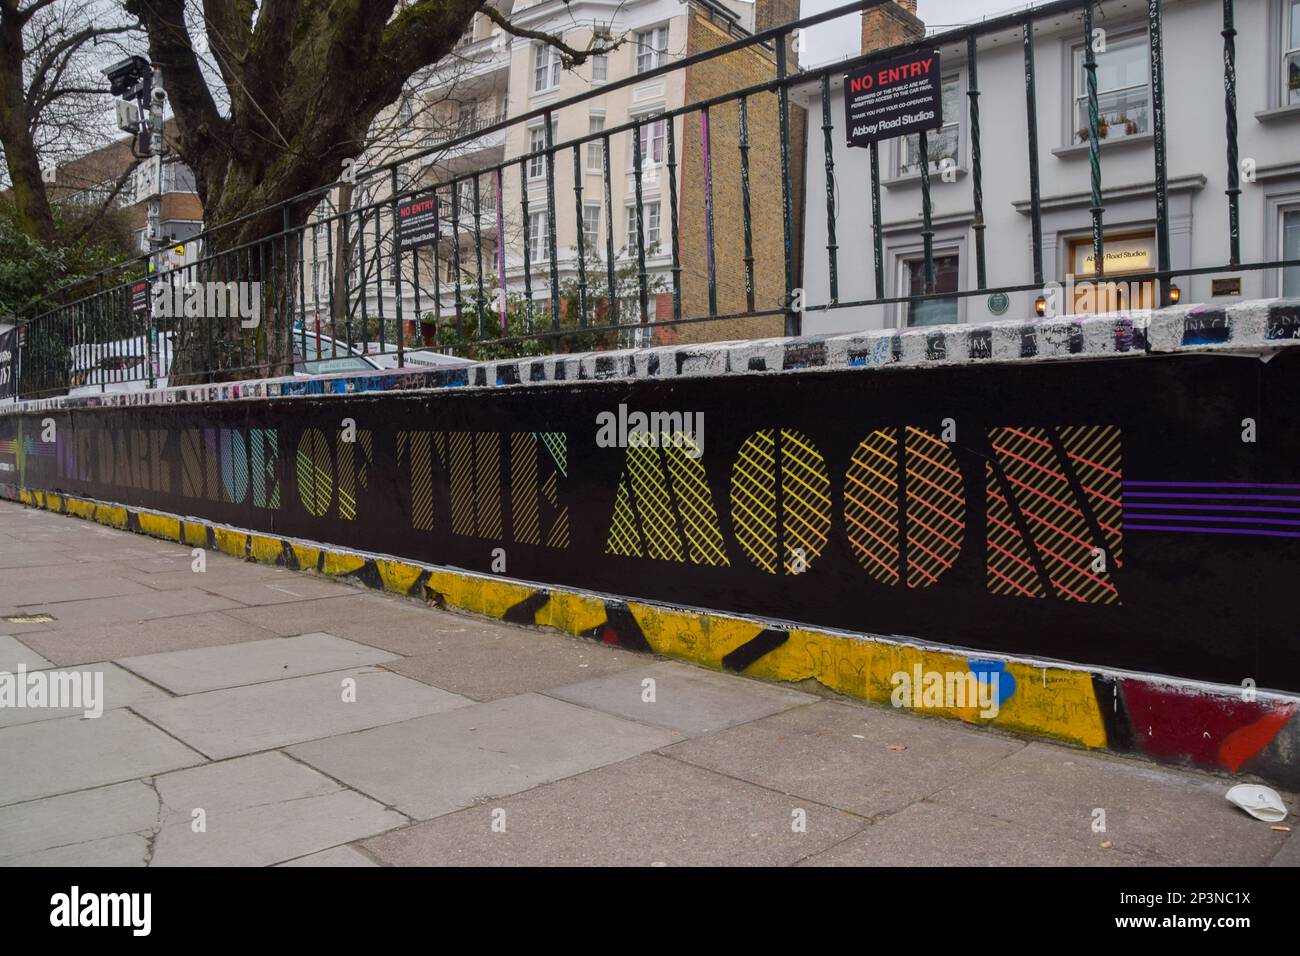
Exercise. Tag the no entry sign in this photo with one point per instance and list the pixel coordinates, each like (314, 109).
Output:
(140, 298)
(893, 98)
(417, 223)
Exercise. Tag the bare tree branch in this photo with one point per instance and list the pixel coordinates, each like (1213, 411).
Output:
(108, 202)
(569, 56)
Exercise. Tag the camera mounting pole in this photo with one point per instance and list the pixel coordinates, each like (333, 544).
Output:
(138, 86)
(153, 90)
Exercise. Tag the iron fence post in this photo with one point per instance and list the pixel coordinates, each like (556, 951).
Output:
(1154, 36)
(977, 168)
(1094, 146)
(1031, 117)
(927, 215)
(1230, 108)
(793, 323)
(743, 110)
(877, 235)
(550, 224)
(397, 281)
(710, 257)
(581, 236)
(643, 291)
(832, 248)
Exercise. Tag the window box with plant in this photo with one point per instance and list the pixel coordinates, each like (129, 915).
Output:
(1123, 91)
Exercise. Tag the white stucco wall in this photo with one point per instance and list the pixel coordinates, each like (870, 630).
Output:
(1197, 166)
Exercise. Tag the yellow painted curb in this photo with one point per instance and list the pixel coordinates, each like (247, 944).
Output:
(160, 526)
(264, 549)
(398, 577)
(231, 542)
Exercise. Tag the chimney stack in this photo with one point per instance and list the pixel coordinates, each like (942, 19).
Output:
(890, 24)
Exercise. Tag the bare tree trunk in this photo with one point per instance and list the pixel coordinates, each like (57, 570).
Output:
(34, 216)
(305, 82)
(342, 258)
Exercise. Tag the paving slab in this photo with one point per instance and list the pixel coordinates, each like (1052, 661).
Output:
(411, 630)
(104, 642)
(78, 819)
(1180, 818)
(278, 589)
(55, 589)
(22, 621)
(348, 607)
(494, 661)
(162, 563)
(927, 834)
(68, 572)
(14, 652)
(434, 765)
(336, 856)
(57, 756)
(640, 812)
(15, 545)
(252, 662)
(99, 543)
(686, 699)
(119, 689)
(838, 754)
(129, 849)
(242, 720)
(171, 574)
(394, 624)
(146, 605)
(257, 811)
(47, 556)
(101, 549)
(1289, 854)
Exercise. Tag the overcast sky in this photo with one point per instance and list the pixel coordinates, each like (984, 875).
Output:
(953, 12)
(831, 41)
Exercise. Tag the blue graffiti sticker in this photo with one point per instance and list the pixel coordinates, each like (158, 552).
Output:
(1006, 681)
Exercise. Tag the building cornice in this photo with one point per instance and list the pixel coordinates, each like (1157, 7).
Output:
(1178, 184)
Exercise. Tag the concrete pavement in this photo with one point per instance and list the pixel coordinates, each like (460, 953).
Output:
(257, 716)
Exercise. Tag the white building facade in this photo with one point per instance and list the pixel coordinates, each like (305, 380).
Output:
(1268, 115)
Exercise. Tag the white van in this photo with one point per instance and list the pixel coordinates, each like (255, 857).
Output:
(418, 359)
(118, 366)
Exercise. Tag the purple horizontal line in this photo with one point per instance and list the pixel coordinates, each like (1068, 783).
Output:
(1176, 507)
(1147, 517)
(1271, 534)
(1202, 484)
(1178, 494)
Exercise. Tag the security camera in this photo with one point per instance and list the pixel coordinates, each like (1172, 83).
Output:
(130, 77)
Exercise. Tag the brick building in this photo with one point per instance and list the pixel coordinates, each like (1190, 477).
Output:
(493, 76)
(92, 178)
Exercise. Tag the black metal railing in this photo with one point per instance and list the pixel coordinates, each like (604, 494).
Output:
(383, 277)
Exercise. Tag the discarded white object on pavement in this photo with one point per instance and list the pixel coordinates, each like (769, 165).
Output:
(1260, 802)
